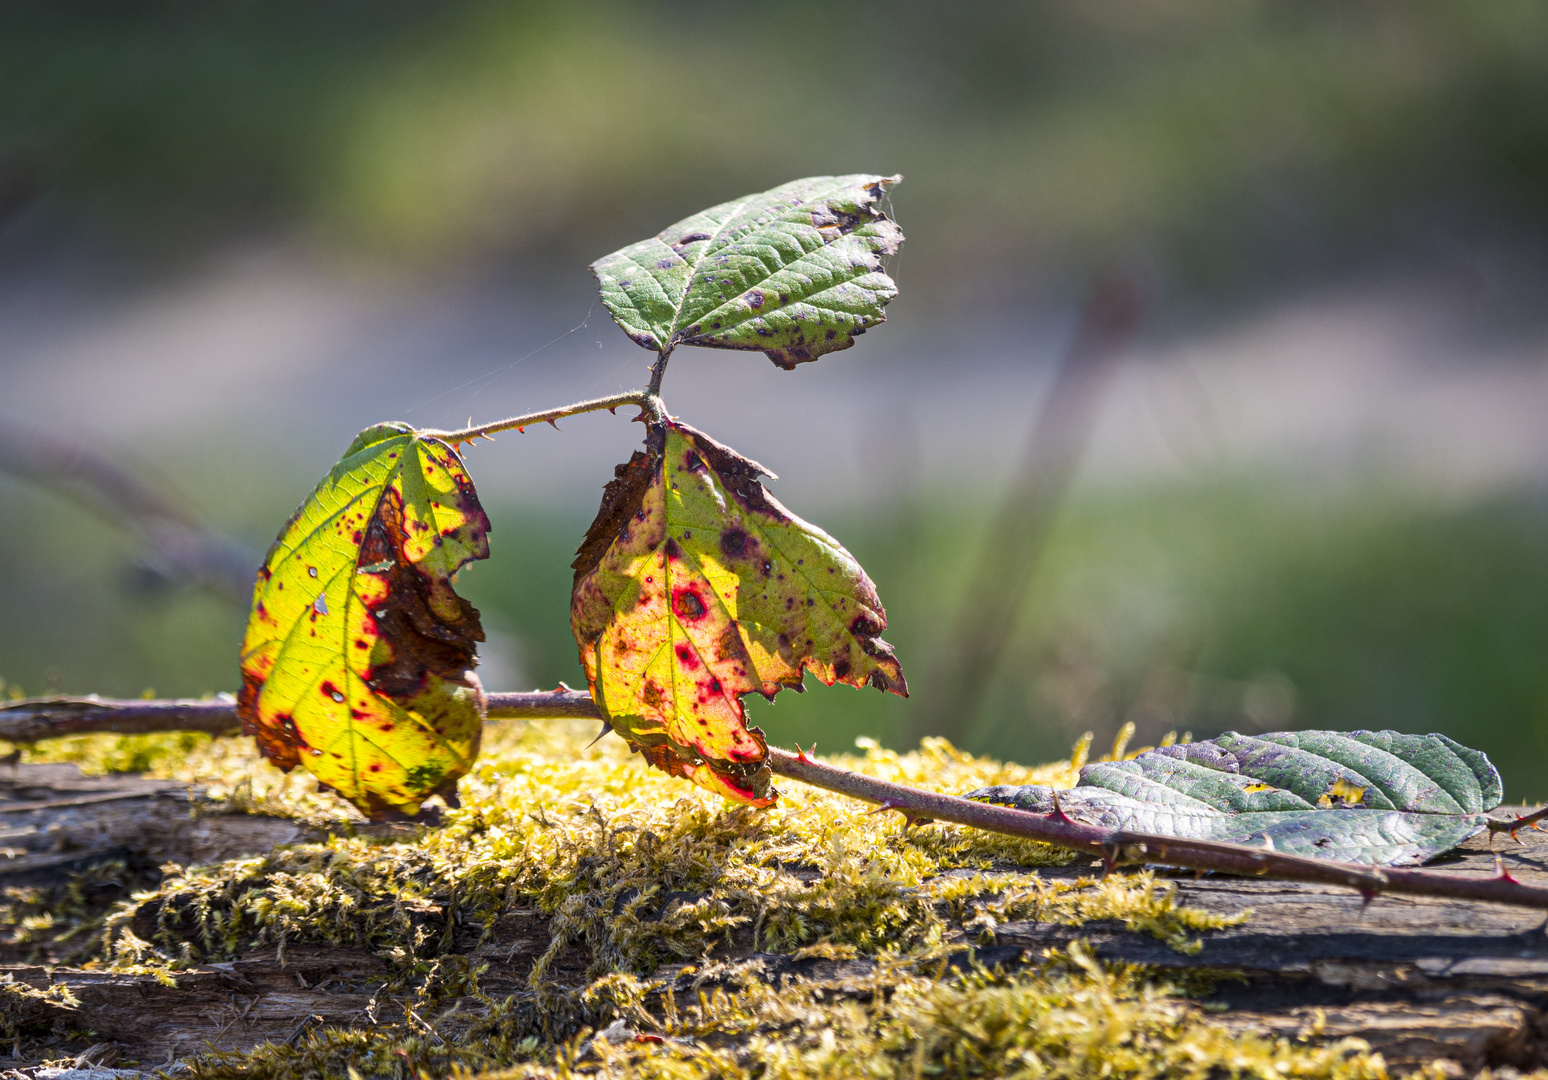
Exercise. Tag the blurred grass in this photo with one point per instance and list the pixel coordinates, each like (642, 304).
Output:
(1240, 145)
(1247, 603)
(1238, 140)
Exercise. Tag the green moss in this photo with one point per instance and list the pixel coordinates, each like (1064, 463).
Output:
(664, 886)
(1068, 1017)
(637, 867)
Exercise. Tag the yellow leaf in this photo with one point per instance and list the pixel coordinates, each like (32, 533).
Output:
(693, 587)
(357, 662)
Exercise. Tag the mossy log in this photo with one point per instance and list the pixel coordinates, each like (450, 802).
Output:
(1438, 984)
(1420, 980)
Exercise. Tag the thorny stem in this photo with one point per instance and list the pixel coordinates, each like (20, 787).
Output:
(1525, 821)
(40, 718)
(647, 400)
(1117, 846)
(658, 371)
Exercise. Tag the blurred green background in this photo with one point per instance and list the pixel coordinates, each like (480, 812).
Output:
(232, 234)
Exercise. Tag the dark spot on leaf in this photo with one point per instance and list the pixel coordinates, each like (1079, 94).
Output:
(865, 623)
(688, 604)
(686, 657)
(755, 299)
(424, 777)
(733, 541)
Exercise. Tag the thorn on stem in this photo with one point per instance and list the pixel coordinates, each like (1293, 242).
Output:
(1058, 814)
(554, 424)
(606, 727)
(1367, 894)
(407, 1063)
(1502, 874)
(802, 755)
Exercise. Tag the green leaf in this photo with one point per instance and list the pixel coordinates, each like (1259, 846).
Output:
(357, 662)
(794, 272)
(1359, 796)
(693, 587)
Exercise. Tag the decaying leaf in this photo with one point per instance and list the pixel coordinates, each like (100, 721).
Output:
(794, 272)
(693, 587)
(357, 662)
(1359, 796)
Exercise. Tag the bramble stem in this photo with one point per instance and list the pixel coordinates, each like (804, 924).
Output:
(1118, 846)
(658, 372)
(646, 400)
(1525, 821)
(40, 718)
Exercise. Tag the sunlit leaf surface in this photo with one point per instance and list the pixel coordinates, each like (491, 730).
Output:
(1360, 796)
(794, 272)
(357, 663)
(693, 587)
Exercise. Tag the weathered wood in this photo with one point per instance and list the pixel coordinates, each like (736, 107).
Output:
(1420, 978)
(54, 821)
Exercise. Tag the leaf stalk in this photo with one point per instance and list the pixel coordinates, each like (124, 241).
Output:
(658, 371)
(647, 400)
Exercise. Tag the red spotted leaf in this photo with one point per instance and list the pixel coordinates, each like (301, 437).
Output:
(357, 662)
(693, 587)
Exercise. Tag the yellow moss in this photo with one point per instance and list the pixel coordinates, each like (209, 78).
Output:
(1068, 1017)
(98, 755)
(640, 868)
(645, 870)
(22, 1007)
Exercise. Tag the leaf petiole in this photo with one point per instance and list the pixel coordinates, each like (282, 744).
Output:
(647, 400)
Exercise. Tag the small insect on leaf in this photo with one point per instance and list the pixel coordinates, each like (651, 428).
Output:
(1361, 796)
(357, 662)
(693, 587)
(794, 272)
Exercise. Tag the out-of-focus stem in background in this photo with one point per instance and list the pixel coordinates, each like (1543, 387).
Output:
(997, 585)
(176, 546)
